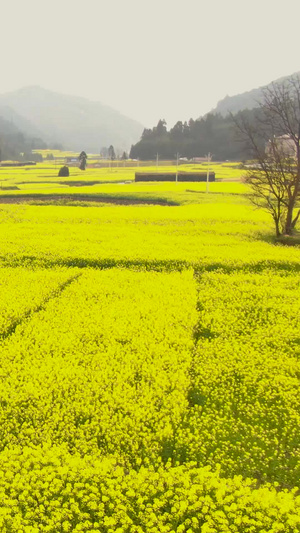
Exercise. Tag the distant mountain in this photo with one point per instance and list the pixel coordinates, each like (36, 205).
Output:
(247, 100)
(76, 123)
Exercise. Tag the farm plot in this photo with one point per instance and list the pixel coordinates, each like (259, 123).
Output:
(122, 402)
(244, 395)
(214, 235)
(25, 291)
(104, 368)
(149, 370)
(41, 183)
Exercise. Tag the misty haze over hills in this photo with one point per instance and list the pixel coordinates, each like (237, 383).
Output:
(75, 122)
(80, 124)
(247, 100)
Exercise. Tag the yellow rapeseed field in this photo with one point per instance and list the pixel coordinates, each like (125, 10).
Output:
(149, 367)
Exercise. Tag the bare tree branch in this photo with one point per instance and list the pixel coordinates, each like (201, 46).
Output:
(274, 137)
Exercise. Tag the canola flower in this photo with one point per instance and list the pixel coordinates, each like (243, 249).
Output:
(48, 490)
(149, 371)
(244, 395)
(104, 369)
(23, 291)
(213, 235)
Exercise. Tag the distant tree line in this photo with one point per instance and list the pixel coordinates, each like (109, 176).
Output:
(213, 133)
(112, 154)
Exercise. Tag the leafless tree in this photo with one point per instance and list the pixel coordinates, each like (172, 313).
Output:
(273, 137)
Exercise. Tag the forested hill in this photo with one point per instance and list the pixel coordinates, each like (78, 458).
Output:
(247, 100)
(213, 133)
(16, 145)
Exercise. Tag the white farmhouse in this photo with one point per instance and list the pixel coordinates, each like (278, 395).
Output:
(283, 144)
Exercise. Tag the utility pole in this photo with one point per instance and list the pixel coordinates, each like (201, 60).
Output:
(209, 156)
(156, 162)
(177, 157)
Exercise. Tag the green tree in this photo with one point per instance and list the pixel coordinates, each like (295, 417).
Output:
(111, 153)
(82, 160)
(63, 172)
(161, 127)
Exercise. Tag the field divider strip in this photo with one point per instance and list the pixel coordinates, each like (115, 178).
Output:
(197, 334)
(162, 265)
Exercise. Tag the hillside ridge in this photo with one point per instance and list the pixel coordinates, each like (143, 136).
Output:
(73, 121)
(247, 100)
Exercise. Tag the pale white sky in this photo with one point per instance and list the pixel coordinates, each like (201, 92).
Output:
(149, 59)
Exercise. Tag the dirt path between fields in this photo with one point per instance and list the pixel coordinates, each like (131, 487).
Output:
(29, 198)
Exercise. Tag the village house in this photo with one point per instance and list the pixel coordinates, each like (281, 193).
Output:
(283, 144)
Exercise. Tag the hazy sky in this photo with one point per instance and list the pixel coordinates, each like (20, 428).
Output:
(149, 59)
